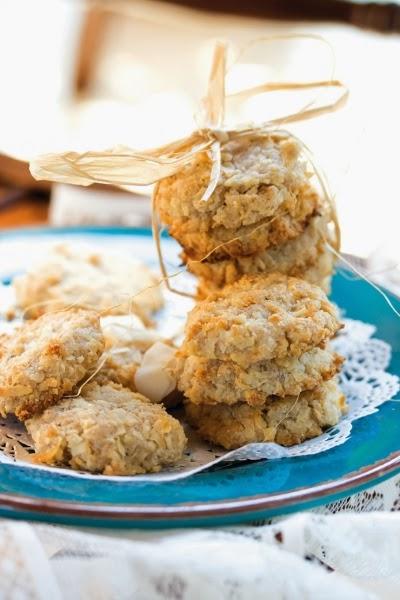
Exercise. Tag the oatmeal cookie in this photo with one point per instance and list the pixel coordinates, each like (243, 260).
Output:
(286, 421)
(107, 429)
(105, 281)
(319, 274)
(260, 318)
(205, 381)
(264, 196)
(305, 256)
(45, 359)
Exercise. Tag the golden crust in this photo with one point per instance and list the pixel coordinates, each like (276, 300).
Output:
(305, 256)
(103, 281)
(45, 359)
(110, 430)
(260, 318)
(264, 196)
(205, 381)
(286, 421)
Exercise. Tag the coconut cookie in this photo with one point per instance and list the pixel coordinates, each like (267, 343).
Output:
(260, 318)
(305, 256)
(205, 381)
(43, 360)
(108, 429)
(264, 197)
(319, 274)
(108, 282)
(286, 421)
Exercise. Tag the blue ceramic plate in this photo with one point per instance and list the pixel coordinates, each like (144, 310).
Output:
(229, 494)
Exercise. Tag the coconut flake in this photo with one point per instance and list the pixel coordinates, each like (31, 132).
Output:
(154, 378)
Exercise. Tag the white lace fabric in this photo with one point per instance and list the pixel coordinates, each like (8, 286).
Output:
(311, 555)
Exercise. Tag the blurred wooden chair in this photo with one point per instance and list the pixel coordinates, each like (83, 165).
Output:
(382, 16)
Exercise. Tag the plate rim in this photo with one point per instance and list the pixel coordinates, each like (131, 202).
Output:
(212, 509)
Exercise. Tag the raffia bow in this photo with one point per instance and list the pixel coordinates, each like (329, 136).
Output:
(123, 166)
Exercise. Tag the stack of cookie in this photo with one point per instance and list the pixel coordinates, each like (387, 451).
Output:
(255, 366)
(264, 216)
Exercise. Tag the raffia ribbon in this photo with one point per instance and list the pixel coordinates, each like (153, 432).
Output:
(123, 166)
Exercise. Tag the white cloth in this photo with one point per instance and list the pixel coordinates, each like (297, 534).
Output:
(347, 555)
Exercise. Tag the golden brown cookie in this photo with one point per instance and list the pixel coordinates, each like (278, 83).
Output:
(43, 360)
(260, 318)
(319, 274)
(264, 197)
(286, 421)
(108, 429)
(205, 381)
(108, 282)
(305, 256)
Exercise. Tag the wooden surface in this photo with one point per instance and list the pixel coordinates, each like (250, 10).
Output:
(23, 201)
(381, 16)
(19, 208)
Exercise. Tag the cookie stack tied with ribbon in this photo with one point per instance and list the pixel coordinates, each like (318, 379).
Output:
(264, 215)
(255, 365)
(239, 200)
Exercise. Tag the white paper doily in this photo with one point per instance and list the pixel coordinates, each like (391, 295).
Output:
(364, 380)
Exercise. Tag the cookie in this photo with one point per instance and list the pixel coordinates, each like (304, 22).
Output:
(107, 429)
(45, 359)
(260, 318)
(264, 197)
(305, 256)
(286, 421)
(108, 282)
(319, 274)
(205, 381)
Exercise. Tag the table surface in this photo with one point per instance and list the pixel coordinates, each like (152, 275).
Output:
(19, 208)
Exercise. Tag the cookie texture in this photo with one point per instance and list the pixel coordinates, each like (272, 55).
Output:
(45, 359)
(207, 381)
(286, 421)
(107, 429)
(305, 256)
(260, 318)
(108, 282)
(264, 197)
